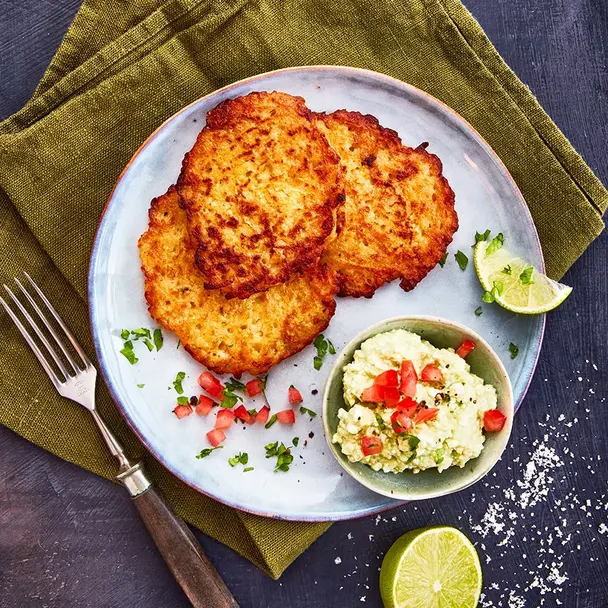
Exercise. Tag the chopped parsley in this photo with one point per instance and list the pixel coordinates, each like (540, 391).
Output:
(490, 296)
(247, 469)
(158, 338)
(129, 353)
(295, 441)
(323, 346)
(124, 334)
(183, 400)
(413, 441)
(271, 421)
(507, 269)
(141, 332)
(230, 399)
(443, 260)
(204, 453)
(331, 348)
(318, 363)
(438, 455)
(140, 385)
(235, 385)
(478, 311)
(240, 458)
(481, 236)
(495, 244)
(514, 350)
(149, 344)
(305, 410)
(462, 259)
(282, 454)
(177, 383)
(526, 276)
(380, 422)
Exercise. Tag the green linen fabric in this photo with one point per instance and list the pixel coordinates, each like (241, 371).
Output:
(125, 67)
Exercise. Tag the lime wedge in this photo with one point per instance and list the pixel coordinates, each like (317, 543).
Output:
(515, 284)
(431, 568)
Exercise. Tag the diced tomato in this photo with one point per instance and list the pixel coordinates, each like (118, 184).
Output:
(182, 410)
(493, 420)
(224, 419)
(465, 348)
(431, 373)
(373, 394)
(408, 406)
(286, 417)
(211, 384)
(254, 387)
(388, 378)
(409, 379)
(371, 445)
(204, 405)
(401, 423)
(216, 436)
(425, 415)
(242, 414)
(262, 415)
(391, 396)
(294, 395)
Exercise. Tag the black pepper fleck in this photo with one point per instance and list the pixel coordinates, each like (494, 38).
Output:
(311, 435)
(314, 391)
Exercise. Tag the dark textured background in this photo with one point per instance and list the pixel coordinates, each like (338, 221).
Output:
(69, 539)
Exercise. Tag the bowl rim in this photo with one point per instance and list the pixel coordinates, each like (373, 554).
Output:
(396, 493)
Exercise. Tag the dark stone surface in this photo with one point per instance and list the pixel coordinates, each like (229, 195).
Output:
(69, 539)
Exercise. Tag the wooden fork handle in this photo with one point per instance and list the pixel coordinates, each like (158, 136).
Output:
(185, 557)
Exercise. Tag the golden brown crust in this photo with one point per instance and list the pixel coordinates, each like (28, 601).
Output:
(260, 187)
(399, 215)
(227, 335)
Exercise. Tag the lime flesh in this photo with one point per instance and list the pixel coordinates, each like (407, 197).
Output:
(500, 273)
(431, 568)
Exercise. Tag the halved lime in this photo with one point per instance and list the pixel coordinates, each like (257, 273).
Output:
(431, 568)
(515, 284)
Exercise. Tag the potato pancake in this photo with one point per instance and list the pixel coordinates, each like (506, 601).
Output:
(227, 335)
(260, 187)
(399, 214)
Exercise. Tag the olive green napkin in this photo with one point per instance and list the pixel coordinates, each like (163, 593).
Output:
(124, 67)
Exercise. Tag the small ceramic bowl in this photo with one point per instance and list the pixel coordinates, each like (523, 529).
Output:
(484, 363)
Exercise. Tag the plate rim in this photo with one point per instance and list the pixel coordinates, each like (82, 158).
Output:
(93, 256)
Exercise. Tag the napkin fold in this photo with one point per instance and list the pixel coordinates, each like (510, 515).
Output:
(125, 67)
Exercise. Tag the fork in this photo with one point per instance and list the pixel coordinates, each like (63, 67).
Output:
(76, 381)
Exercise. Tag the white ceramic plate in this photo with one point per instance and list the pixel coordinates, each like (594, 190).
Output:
(315, 489)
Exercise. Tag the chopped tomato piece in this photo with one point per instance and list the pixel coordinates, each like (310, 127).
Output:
(401, 423)
(391, 396)
(216, 436)
(204, 405)
(182, 410)
(262, 415)
(242, 414)
(371, 445)
(493, 420)
(211, 384)
(254, 387)
(465, 348)
(408, 406)
(373, 394)
(294, 395)
(431, 373)
(425, 415)
(409, 379)
(224, 419)
(388, 378)
(286, 417)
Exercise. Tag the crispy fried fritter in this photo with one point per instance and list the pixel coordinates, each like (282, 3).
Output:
(260, 187)
(399, 214)
(227, 335)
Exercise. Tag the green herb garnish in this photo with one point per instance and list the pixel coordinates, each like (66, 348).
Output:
(141, 332)
(438, 455)
(183, 400)
(240, 458)
(481, 236)
(128, 352)
(149, 344)
(331, 348)
(247, 469)
(413, 441)
(271, 421)
(204, 453)
(380, 422)
(506, 269)
(317, 362)
(495, 244)
(282, 454)
(295, 441)
(177, 383)
(514, 350)
(323, 346)
(124, 334)
(443, 260)
(462, 259)
(140, 385)
(526, 276)
(235, 385)
(478, 311)
(490, 296)
(157, 336)
(230, 399)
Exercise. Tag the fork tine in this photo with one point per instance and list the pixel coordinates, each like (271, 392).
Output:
(60, 322)
(50, 328)
(47, 368)
(28, 317)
